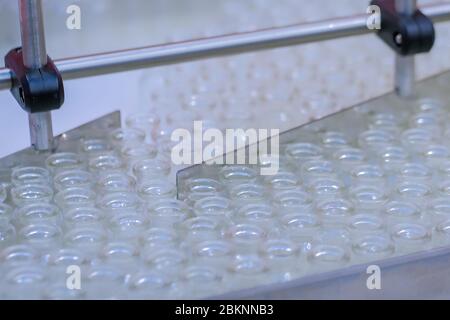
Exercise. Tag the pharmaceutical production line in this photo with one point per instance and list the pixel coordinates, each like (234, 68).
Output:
(345, 197)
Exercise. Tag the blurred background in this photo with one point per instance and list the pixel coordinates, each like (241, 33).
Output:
(287, 86)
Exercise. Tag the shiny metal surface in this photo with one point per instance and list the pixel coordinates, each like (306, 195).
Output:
(34, 57)
(405, 69)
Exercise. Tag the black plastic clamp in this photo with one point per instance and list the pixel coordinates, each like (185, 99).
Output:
(406, 35)
(36, 90)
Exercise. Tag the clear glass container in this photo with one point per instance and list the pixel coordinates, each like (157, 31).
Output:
(41, 235)
(26, 281)
(79, 216)
(373, 140)
(282, 180)
(333, 141)
(373, 247)
(438, 210)
(282, 258)
(247, 192)
(18, 254)
(197, 189)
(168, 261)
(257, 213)
(201, 281)
(385, 121)
(149, 284)
(119, 252)
(333, 234)
(363, 224)
(237, 174)
(150, 168)
(299, 153)
(392, 158)
(416, 140)
(435, 155)
(327, 256)
(64, 161)
(315, 169)
(30, 175)
(105, 161)
(349, 158)
(292, 200)
(73, 178)
(120, 201)
(216, 206)
(154, 189)
(200, 229)
(132, 152)
(115, 181)
(426, 120)
(368, 196)
(216, 253)
(39, 213)
(88, 239)
(429, 105)
(145, 121)
(94, 146)
(398, 211)
(66, 257)
(160, 237)
(415, 171)
(105, 282)
(368, 174)
(75, 197)
(411, 236)
(324, 188)
(128, 223)
(301, 227)
(31, 193)
(248, 270)
(167, 212)
(246, 237)
(335, 211)
(122, 136)
(415, 192)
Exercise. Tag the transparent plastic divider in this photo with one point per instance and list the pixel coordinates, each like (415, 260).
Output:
(413, 275)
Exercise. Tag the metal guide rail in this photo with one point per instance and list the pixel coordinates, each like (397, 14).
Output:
(166, 54)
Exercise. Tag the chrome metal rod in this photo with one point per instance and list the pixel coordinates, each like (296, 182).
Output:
(34, 57)
(437, 12)
(405, 68)
(41, 131)
(211, 47)
(32, 32)
(406, 6)
(118, 61)
(405, 75)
